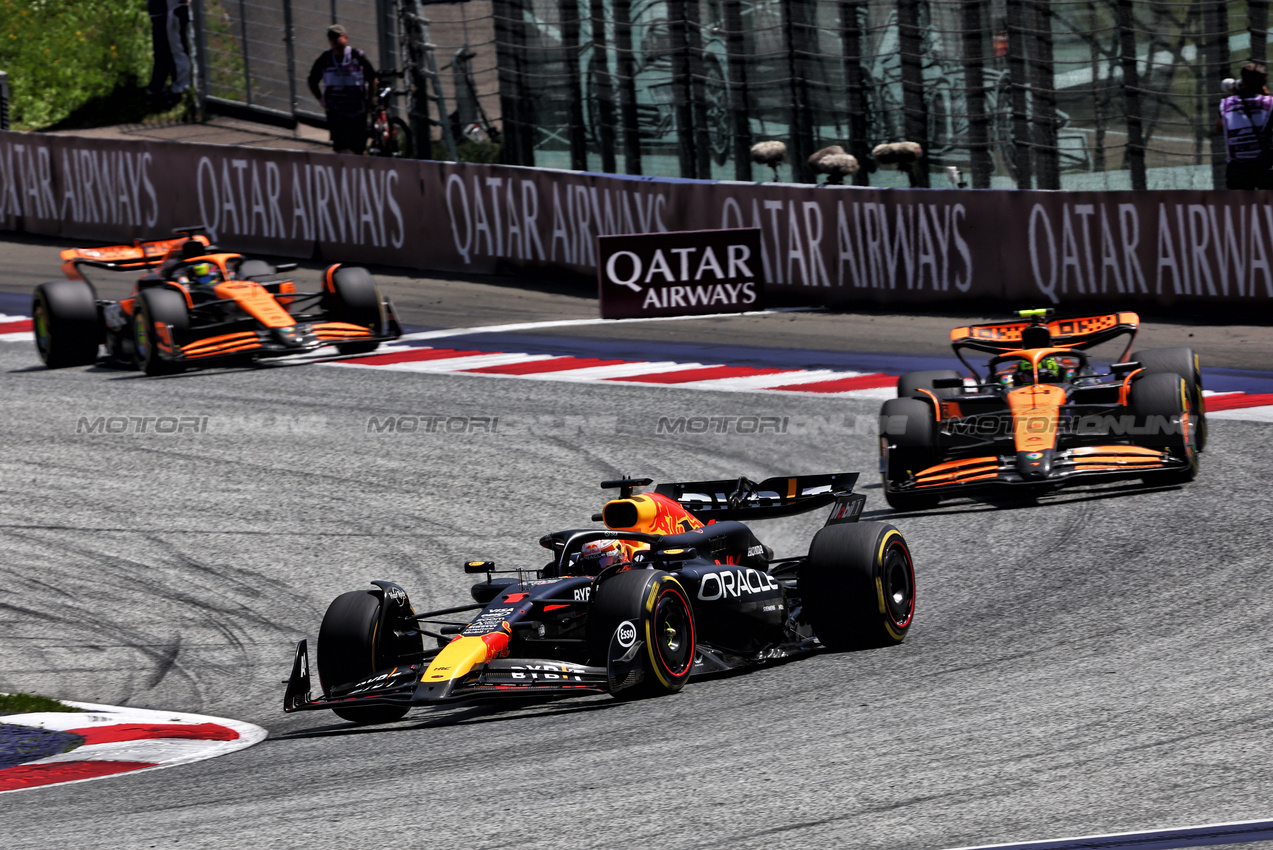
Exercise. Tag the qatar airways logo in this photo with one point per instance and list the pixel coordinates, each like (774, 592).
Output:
(628, 268)
(679, 274)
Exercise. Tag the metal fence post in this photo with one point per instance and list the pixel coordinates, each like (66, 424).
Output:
(683, 109)
(739, 119)
(1135, 156)
(910, 43)
(1258, 26)
(981, 161)
(601, 86)
(698, 91)
(1102, 102)
(628, 117)
(1018, 78)
(516, 110)
(795, 26)
(201, 57)
(852, 14)
(569, 11)
(247, 61)
(1215, 49)
(4, 101)
(289, 38)
(1043, 85)
(385, 41)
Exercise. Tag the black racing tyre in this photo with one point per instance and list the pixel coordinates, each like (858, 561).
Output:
(66, 324)
(910, 384)
(1158, 403)
(349, 650)
(1184, 362)
(660, 609)
(164, 305)
(908, 444)
(858, 586)
(353, 297)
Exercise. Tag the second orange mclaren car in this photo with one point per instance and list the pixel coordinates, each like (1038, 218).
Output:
(197, 305)
(1041, 413)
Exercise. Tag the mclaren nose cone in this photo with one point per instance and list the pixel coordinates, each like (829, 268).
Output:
(1034, 466)
(294, 336)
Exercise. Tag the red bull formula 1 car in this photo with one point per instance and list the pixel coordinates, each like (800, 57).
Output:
(198, 305)
(1040, 413)
(674, 586)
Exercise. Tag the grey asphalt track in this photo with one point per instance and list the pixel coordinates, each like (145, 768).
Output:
(1093, 662)
(1241, 341)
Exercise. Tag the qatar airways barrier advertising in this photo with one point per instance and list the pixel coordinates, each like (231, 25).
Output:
(691, 273)
(818, 245)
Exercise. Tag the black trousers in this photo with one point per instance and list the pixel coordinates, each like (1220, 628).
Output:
(1247, 174)
(171, 60)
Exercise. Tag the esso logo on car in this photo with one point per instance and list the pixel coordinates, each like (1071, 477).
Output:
(735, 583)
(626, 633)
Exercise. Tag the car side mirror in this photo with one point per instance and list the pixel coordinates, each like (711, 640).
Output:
(1124, 368)
(286, 267)
(479, 566)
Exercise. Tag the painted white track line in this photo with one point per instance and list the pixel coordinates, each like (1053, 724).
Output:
(1238, 832)
(574, 323)
(123, 740)
(403, 357)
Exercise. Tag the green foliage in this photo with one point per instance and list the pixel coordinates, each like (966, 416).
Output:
(468, 151)
(227, 73)
(59, 54)
(28, 703)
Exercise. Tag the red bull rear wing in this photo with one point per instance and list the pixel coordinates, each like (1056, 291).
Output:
(743, 499)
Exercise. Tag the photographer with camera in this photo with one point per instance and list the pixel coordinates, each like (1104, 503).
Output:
(1245, 121)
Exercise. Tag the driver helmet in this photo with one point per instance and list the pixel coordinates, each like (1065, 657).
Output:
(599, 554)
(1017, 373)
(1050, 370)
(204, 274)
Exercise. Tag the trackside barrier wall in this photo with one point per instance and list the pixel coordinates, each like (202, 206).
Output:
(821, 245)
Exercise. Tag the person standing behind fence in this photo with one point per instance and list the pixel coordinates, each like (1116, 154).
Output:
(169, 20)
(1244, 120)
(347, 77)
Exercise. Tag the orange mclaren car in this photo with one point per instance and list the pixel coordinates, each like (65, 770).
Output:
(197, 305)
(1040, 412)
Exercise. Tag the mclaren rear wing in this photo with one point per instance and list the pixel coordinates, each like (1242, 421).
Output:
(139, 255)
(1082, 332)
(742, 499)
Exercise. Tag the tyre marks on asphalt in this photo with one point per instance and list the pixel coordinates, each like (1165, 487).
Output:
(203, 633)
